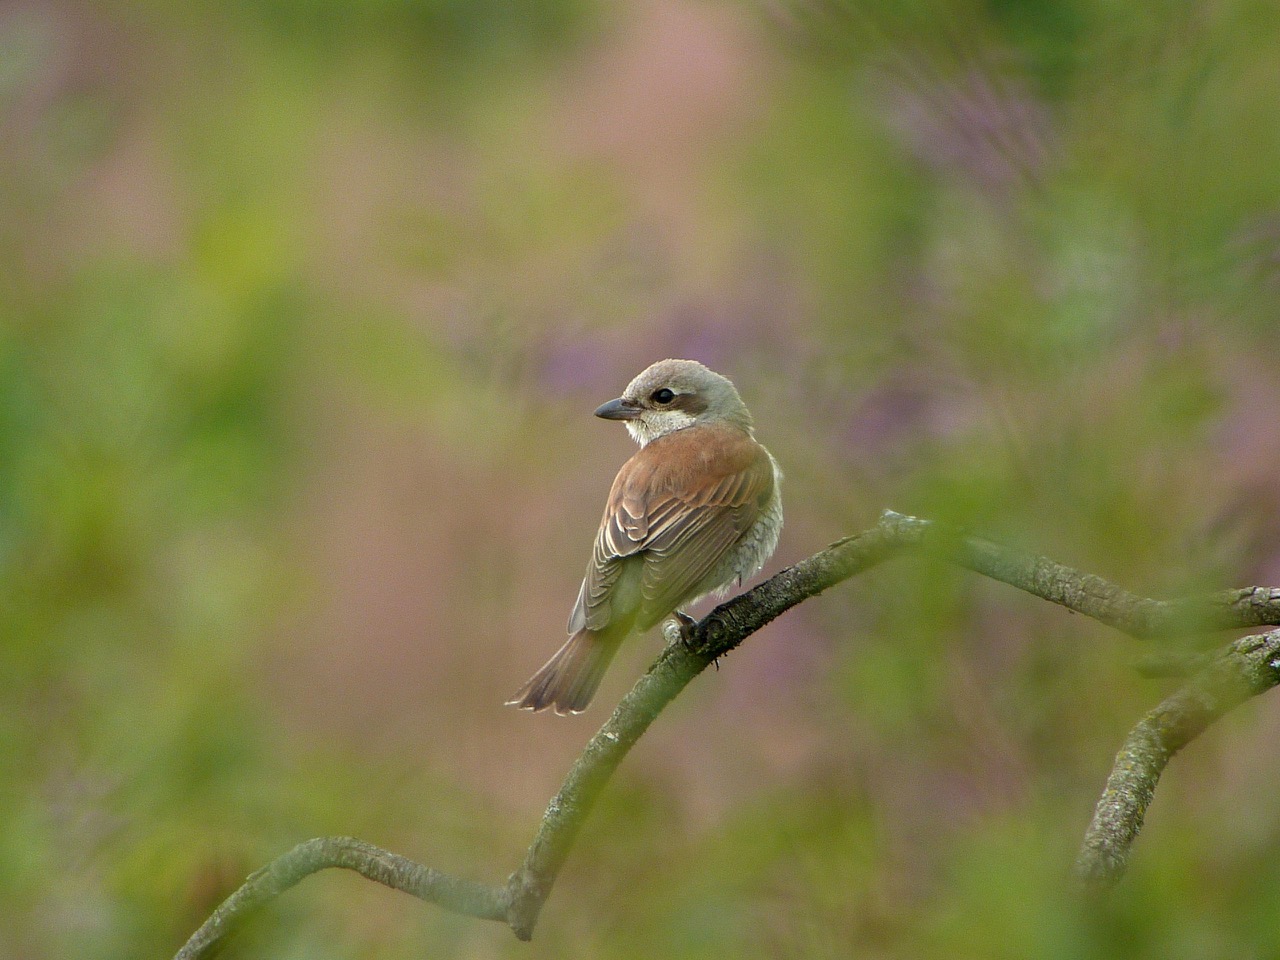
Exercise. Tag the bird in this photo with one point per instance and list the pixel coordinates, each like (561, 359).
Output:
(697, 509)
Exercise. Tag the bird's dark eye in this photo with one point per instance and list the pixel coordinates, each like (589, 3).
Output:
(663, 396)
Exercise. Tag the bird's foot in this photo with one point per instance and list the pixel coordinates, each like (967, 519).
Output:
(685, 625)
(678, 628)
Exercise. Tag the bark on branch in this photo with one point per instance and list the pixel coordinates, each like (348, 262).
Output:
(1245, 669)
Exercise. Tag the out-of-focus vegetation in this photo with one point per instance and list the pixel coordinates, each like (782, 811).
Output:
(304, 307)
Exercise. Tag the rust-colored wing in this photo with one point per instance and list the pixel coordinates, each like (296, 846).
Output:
(676, 509)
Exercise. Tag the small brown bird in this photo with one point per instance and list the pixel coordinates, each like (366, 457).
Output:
(695, 510)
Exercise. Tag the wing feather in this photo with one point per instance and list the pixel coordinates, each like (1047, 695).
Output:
(675, 511)
(671, 576)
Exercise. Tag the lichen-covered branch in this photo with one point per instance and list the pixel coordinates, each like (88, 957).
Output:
(381, 866)
(519, 902)
(1244, 669)
(1105, 602)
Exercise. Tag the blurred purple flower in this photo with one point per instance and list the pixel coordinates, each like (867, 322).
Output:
(980, 125)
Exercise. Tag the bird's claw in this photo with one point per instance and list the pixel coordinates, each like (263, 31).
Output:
(678, 628)
(685, 625)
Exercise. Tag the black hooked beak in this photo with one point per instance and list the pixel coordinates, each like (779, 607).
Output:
(620, 409)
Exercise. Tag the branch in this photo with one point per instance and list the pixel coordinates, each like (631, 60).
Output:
(373, 863)
(1246, 668)
(519, 902)
(1105, 602)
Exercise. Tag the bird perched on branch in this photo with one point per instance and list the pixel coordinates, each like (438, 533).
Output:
(696, 510)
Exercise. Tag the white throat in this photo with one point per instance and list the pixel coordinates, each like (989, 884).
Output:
(658, 423)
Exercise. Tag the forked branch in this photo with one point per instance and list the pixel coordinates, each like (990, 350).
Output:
(1245, 669)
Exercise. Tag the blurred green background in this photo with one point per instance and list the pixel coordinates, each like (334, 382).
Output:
(304, 307)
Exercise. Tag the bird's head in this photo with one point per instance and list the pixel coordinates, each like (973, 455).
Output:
(672, 395)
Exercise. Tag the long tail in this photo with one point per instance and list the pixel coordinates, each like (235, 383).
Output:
(569, 679)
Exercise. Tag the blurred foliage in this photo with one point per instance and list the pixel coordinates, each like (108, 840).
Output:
(303, 306)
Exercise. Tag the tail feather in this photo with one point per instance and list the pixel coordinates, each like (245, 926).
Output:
(568, 681)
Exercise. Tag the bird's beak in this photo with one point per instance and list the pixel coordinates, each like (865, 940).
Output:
(619, 409)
